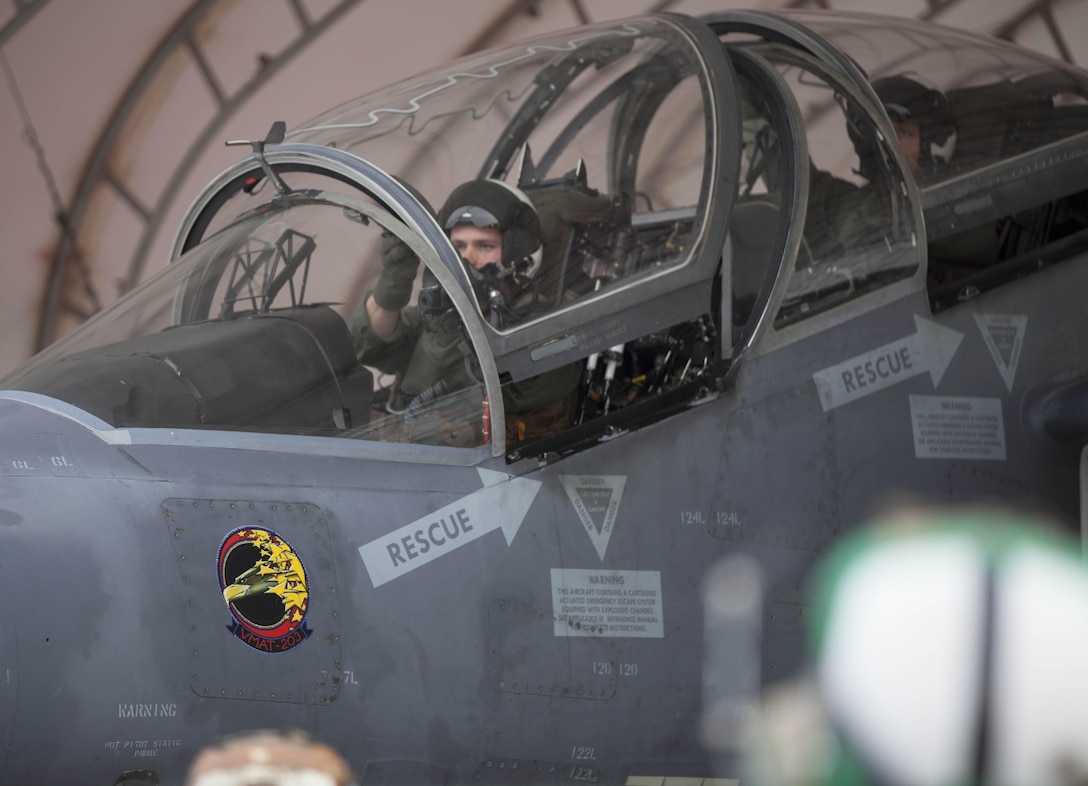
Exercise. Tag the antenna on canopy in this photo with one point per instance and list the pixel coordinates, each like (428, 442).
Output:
(275, 136)
(527, 174)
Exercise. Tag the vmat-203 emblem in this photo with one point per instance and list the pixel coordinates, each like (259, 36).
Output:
(264, 586)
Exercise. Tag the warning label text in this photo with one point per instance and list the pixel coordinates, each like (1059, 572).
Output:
(958, 427)
(607, 603)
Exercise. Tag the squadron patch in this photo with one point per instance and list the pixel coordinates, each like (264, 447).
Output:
(264, 586)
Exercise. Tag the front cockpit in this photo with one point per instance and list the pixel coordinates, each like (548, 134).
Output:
(619, 136)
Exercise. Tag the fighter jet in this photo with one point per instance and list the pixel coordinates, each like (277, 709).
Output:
(790, 265)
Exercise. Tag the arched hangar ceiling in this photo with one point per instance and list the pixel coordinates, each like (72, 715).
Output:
(114, 114)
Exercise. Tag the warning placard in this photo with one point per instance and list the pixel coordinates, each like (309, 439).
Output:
(596, 499)
(607, 603)
(1004, 337)
(948, 427)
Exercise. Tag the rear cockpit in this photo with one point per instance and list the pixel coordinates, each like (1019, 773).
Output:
(1009, 197)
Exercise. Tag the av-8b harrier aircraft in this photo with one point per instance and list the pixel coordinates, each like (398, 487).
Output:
(449, 400)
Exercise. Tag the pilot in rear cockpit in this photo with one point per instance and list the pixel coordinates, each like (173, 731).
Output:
(498, 234)
(922, 120)
(926, 131)
(843, 215)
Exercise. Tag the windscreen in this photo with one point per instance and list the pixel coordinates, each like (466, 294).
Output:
(264, 327)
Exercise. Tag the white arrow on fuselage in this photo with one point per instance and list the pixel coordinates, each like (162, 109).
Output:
(502, 503)
(930, 349)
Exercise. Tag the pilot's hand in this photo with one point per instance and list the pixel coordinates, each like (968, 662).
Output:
(399, 265)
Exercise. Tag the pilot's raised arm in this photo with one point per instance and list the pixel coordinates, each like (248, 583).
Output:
(394, 288)
(401, 339)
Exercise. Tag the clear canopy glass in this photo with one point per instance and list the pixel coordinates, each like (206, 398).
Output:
(1003, 100)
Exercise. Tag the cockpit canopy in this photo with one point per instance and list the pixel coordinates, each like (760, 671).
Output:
(705, 188)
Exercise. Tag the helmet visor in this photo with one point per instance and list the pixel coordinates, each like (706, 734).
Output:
(474, 215)
(897, 111)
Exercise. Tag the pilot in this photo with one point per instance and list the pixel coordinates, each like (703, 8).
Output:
(843, 216)
(498, 234)
(922, 120)
(840, 213)
(926, 131)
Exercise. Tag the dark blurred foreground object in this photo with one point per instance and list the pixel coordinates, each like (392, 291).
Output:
(947, 647)
(269, 758)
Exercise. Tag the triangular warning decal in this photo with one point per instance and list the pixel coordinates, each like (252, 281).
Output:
(596, 498)
(1004, 337)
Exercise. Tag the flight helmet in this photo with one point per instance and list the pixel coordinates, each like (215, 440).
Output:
(908, 96)
(494, 204)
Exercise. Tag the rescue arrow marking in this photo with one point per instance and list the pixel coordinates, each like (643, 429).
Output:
(930, 349)
(502, 504)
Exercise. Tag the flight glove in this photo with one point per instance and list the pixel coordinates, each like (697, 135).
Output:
(399, 265)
